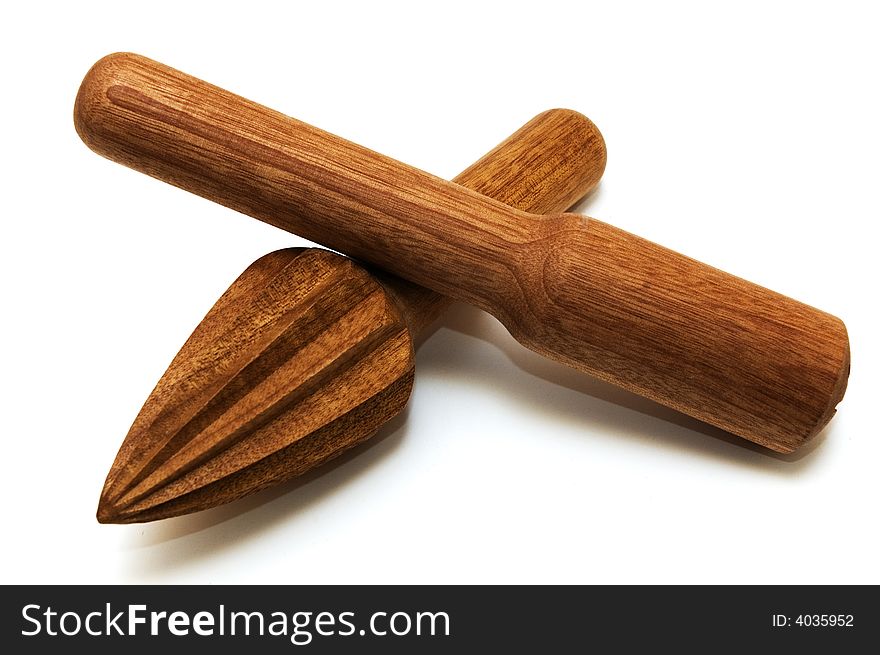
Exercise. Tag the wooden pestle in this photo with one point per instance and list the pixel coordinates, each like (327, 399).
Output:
(728, 352)
(308, 354)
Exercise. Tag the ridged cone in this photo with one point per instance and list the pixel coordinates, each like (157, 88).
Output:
(303, 357)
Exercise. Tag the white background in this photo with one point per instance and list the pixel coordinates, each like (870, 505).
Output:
(746, 137)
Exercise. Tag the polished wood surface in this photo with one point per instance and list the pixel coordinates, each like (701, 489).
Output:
(607, 302)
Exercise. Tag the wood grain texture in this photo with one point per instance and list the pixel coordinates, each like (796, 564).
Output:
(632, 313)
(547, 165)
(307, 354)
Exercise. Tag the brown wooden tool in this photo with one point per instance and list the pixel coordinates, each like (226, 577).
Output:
(731, 353)
(307, 353)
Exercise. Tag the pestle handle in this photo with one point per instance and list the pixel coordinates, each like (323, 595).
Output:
(574, 289)
(547, 165)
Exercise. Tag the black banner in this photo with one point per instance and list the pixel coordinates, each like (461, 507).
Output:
(438, 619)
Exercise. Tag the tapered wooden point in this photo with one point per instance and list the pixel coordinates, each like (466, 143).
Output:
(303, 357)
